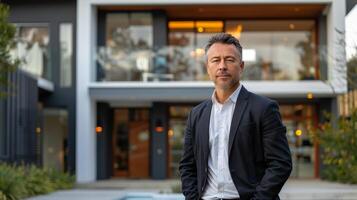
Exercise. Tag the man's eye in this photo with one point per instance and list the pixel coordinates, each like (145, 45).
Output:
(230, 60)
(215, 60)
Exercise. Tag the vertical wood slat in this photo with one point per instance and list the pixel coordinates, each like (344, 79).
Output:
(21, 118)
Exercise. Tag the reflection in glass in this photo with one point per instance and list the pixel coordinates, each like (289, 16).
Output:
(32, 49)
(276, 50)
(177, 124)
(272, 49)
(131, 143)
(187, 40)
(300, 123)
(55, 138)
(127, 54)
(66, 53)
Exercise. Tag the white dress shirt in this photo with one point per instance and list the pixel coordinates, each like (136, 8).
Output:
(219, 180)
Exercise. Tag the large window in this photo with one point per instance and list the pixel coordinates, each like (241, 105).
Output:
(66, 54)
(278, 49)
(54, 138)
(187, 40)
(32, 49)
(177, 123)
(272, 49)
(127, 54)
(300, 122)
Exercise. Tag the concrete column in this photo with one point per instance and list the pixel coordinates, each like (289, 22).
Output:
(86, 109)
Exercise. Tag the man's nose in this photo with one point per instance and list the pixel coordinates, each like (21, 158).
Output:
(222, 66)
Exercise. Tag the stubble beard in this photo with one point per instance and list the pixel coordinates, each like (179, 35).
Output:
(226, 86)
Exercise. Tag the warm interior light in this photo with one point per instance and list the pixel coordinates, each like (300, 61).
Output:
(310, 95)
(298, 132)
(38, 130)
(237, 32)
(171, 133)
(200, 29)
(181, 25)
(201, 26)
(98, 129)
(159, 129)
(210, 24)
(291, 26)
(199, 52)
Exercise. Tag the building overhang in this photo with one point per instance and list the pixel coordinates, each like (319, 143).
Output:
(45, 84)
(198, 91)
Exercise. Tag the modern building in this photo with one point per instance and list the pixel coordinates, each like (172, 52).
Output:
(125, 75)
(37, 123)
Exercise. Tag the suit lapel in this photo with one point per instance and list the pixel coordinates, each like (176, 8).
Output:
(239, 109)
(204, 126)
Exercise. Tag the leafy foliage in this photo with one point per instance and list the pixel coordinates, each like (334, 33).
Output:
(340, 147)
(12, 185)
(352, 72)
(17, 182)
(7, 34)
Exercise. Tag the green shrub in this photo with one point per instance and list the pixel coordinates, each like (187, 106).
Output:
(11, 182)
(21, 181)
(37, 181)
(339, 149)
(61, 180)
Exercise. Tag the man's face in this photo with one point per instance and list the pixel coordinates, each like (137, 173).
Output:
(224, 65)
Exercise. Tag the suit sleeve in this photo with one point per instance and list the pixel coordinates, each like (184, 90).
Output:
(276, 152)
(188, 164)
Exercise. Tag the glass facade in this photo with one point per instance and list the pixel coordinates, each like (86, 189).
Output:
(272, 49)
(32, 49)
(66, 54)
(177, 124)
(187, 40)
(277, 49)
(55, 138)
(127, 54)
(300, 121)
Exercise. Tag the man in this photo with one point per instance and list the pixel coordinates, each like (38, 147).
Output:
(235, 144)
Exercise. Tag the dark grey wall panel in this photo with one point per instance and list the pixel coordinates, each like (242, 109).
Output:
(159, 141)
(21, 120)
(53, 13)
(104, 141)
(160, 29)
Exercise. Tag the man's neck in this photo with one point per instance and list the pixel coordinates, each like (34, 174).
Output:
(223, 94)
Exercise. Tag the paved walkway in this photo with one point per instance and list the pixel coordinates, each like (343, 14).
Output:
(117, 189)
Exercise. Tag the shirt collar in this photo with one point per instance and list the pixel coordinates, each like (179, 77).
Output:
(232, 98)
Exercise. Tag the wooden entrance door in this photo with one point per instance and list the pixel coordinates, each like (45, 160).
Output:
(131, 143)
(139, 149)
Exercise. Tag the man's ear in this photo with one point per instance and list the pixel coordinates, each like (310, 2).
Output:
(242, 65)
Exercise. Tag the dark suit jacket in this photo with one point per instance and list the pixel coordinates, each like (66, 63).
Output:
(259, 155)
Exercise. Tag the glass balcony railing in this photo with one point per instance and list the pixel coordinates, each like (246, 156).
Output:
(173, 63)
(272, 49)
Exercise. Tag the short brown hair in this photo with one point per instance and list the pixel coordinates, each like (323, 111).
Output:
(224, 38)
